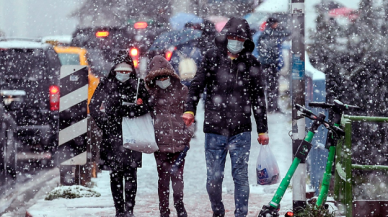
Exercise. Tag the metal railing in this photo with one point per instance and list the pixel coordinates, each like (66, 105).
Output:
(343, 192)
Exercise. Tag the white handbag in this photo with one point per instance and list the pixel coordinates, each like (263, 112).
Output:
(138, 132)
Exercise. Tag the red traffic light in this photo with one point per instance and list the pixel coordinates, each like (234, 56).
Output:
(134, 52)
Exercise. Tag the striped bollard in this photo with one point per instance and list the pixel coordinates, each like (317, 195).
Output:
(73, 125)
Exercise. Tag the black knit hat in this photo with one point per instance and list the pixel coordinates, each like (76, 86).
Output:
(123, 56)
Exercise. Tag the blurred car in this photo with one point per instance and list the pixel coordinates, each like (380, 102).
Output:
(29, 88)
(103, 44)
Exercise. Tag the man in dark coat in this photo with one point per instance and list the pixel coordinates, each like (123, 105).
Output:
(235, 86)
(107, 109)
(269, 49)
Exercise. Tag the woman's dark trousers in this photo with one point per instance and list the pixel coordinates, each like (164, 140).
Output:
(164, 162)
(124, 181)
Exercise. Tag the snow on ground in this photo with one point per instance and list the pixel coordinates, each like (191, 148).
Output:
(196, 198)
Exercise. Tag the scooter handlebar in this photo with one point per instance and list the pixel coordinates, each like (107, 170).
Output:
(352, 107)
(337, 103)
(320, 105)
(303, 110)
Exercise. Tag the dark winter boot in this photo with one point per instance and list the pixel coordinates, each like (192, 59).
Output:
(129, 215)
(180, 209)
(218, 215)
(130, 192)
(119, 214)
(165, 212)
(116, 180)
(182, 212)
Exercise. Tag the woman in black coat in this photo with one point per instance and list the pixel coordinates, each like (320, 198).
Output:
(107, 109)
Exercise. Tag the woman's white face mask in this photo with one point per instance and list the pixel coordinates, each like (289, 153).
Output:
(163, 84)
(235, 46)
(122, 77)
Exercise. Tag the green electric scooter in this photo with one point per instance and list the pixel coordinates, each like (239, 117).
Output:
(272, 209)
(337, 108)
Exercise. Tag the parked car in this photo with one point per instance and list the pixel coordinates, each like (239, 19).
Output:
(29, 88)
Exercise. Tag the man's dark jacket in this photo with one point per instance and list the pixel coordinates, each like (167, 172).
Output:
(111, 93)
(234, 87)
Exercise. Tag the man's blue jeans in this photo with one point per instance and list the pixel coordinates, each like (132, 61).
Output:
(216, 149)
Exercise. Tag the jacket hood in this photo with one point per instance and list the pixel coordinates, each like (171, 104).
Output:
(159, 66)
(122, 57)
(236, 27)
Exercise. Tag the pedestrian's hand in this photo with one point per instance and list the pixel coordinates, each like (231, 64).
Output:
(139, 101)
(188, 119)
(263, 139)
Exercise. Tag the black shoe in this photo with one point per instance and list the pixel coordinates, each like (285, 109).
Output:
(182, 212)
(218, 215)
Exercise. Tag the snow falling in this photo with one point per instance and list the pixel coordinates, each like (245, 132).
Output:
(164, 108)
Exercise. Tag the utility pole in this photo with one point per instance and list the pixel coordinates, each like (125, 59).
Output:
(298, 97)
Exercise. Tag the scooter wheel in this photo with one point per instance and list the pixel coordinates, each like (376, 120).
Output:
(269, 211)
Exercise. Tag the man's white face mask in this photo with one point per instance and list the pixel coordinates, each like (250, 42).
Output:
(235, 46)
(122, 77)
(163, 84)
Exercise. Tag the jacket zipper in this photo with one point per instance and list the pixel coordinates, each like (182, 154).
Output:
(231, 69)
(172, 134)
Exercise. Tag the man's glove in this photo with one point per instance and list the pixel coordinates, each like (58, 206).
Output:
(188, 118)
(263, 139)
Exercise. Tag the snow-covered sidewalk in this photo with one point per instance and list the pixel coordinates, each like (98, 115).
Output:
(196, 199)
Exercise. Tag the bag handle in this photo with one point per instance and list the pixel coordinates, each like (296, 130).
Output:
(137, 89)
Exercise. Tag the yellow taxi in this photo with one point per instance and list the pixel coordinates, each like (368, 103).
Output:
(77, 56)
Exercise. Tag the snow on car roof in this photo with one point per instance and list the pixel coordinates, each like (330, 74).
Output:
(59, 38)
(17, 43)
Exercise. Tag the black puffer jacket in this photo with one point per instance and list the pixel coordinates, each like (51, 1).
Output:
(111, 93)
(234, 87)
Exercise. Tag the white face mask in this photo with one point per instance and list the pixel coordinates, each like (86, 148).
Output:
(163, 84)
(122, 77)
(235, 46)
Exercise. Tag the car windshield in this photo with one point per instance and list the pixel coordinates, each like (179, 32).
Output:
(69, 59)
(26, 64)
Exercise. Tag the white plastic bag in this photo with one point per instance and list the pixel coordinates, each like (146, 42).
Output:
(267, 169)
(139, 134)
